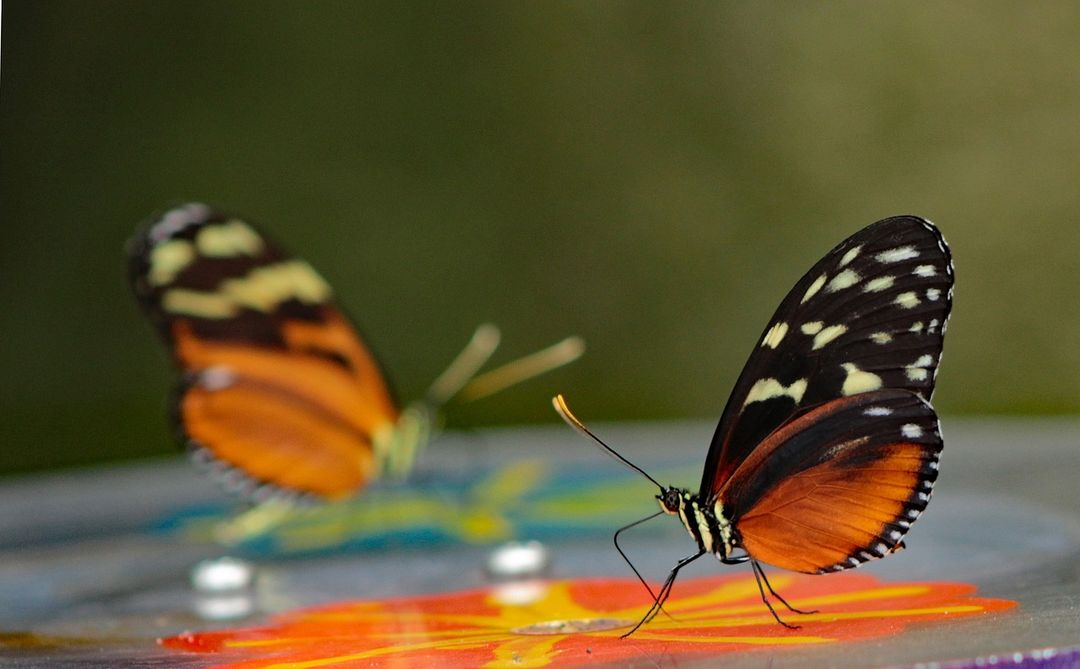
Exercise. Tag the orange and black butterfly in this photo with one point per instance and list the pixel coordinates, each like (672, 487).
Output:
(827, 450)
(279, 396)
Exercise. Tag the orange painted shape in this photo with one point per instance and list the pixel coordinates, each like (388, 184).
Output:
(569, 623)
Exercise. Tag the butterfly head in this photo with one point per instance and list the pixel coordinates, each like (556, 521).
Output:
(671, 498)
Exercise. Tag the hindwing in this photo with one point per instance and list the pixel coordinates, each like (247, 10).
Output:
(839, 485)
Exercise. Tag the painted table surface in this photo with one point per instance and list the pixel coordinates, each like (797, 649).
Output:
(94, 564)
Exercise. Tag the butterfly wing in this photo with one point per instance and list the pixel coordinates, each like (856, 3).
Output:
(839, 485)
(869, 315)
(278, 390)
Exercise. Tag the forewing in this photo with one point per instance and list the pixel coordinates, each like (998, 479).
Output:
(839, 485)
(869, 315)
(278, 390)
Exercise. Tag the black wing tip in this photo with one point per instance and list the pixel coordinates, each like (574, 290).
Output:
(909, 219)
(179, 220)
(920, 222)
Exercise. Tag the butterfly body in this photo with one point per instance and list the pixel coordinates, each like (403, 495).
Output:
(827, 449)
(706, 524)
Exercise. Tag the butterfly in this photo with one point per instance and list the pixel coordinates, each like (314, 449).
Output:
(279, 396)
(827, 450)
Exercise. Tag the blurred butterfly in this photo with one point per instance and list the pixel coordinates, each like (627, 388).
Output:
(827, 450)
(279, 394)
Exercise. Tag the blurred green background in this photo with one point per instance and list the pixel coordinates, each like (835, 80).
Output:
(651, 176)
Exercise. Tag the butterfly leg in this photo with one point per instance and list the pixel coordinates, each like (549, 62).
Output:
(759, 576)
(777, 594)
(665, 590)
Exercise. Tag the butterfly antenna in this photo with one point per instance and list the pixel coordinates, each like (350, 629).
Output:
(559, 402)
(522, 369)
(464, 367)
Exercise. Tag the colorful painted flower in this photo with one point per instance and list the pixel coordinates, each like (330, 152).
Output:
(570, 623)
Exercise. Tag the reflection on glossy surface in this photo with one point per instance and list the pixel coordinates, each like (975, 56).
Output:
(519, 559)
(223, 574)
(233, 606)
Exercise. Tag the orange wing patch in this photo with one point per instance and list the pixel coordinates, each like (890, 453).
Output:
(323, 364)
(278, 437)
(303, 418)
(833, 515)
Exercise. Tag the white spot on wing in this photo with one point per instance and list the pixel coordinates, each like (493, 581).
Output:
(898, 254)
(916, 327)
(169, 259)
(859, 381)
(775, 334)
(911, 431)
(850, 255)
(877, 411)
(199, 304)
(227, 240)
(933, 294)
(266, 287)
(879, 284)
(262, 289)
(916, 373)
(812, 328)
(924, 271)
(881, 337)
(827, 335)
(216, 378)
(907, 300)
(845, 279)
(814, 288)
(766, 389)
